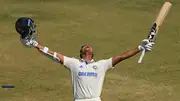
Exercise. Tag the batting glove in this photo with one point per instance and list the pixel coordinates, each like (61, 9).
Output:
(146, 45)
(28, 42)
(34, 43)
(25, 42)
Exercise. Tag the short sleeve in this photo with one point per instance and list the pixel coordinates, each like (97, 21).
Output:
(68, 62)
(106, 64)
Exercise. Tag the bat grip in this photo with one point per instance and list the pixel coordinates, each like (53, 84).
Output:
(142, 55)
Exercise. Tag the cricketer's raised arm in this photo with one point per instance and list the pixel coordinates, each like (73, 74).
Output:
(145, 45)
(26, 28)
(125, 55)
(46, 51)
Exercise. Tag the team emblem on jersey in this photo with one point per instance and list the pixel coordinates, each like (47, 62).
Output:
(95, 67)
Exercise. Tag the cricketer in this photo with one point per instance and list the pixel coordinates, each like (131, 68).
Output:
(87, 74)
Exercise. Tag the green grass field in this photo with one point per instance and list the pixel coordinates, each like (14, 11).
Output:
(111, 27)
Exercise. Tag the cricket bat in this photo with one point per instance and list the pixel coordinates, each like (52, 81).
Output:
(157, 23)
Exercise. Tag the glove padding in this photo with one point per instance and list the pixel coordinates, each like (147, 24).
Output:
(29, 42)
(25, 41)
(34, 42)
(146, 45)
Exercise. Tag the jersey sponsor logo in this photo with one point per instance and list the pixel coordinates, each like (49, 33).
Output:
(94, 74)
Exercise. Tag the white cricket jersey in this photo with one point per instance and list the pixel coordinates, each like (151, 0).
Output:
(87, 78)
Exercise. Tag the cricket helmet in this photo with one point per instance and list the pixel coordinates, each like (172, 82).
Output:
(25, 26)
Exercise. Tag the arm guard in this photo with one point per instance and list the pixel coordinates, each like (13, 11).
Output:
(53, 56)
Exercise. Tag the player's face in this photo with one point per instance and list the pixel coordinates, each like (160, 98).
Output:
(87, 49)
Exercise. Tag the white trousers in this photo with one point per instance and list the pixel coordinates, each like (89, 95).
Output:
(92, 99)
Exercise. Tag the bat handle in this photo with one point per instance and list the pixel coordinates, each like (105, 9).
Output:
(142, 55)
